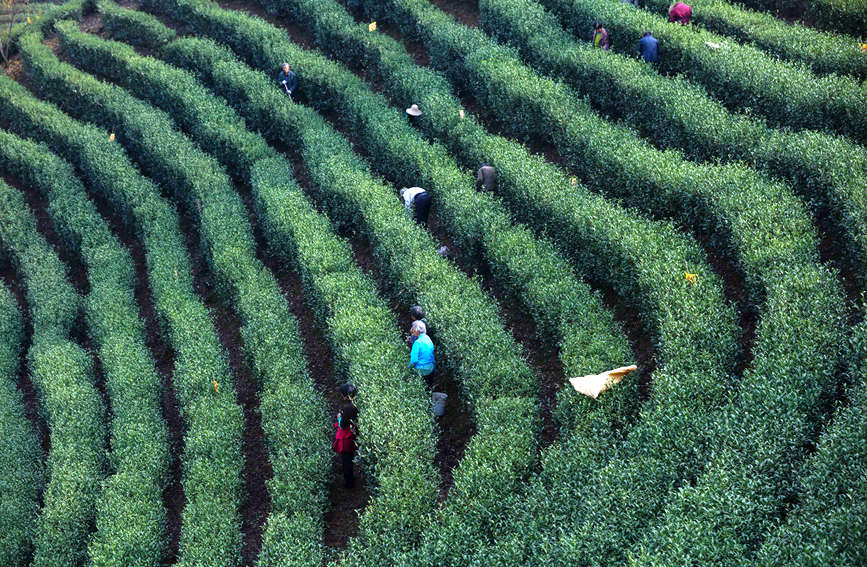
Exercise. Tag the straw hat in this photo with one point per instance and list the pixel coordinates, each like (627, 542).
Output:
(413, 110)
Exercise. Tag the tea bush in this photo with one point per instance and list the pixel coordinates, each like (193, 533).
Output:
(827, 171)
(824, 52)
(186, 324)
(131, 518)
(21, 479)
(62, 374)
(742, 77)
(271, 341)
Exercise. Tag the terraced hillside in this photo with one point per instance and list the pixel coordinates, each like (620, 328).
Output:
(193, 262)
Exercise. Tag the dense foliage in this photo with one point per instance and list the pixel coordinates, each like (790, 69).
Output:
(713, 234)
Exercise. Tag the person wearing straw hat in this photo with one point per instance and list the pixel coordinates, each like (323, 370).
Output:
(417, 203)
(421, 357)
(287, 80)
(414, 111)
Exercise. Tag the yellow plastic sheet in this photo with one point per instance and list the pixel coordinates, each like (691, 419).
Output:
(594, 384)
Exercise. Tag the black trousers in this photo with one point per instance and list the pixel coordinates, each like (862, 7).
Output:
(421, 206)
(348, 473)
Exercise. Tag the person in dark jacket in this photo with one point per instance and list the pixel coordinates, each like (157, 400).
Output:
(347, 427)
(417, 201)
(417, 314)
(287, 80)
(648, 47)
(486, 178)
(600, 37)
(680, 12)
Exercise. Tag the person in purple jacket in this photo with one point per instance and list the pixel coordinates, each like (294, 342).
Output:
(600, 37)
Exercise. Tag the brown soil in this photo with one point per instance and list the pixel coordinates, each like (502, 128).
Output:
(464, 11)
(257, 468)
(341, 519)
(13, 68)
(300, 35)
(30, 398)
(91, 23)
(831, 248)
(734, 290)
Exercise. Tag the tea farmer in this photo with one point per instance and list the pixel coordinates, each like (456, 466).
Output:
(600, 37)
(417, 314)
(414, 111)
(417, 202)
(421, 358)
(347, 426)
(648, 47)
(486, 178)
(680, 12)
(287, 80)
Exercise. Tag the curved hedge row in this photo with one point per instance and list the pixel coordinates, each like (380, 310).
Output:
(565, 309)
(608, 243)
(846, 16)
(397, 429)
(495, 380)
(53, 13)
(824, 52)
(21, 476)
(133, 27)
(359, 341)
(740, 76)
(213, 422)
(271, 339)
(62, 373)
(131, 517)
(829, 524)
(798, 291)
(828, 171)
(398, 70)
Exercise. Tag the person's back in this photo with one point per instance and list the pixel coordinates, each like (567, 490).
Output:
(421, 357)
(680, 12)
(422, 354)
(648, 47)
(486, 178)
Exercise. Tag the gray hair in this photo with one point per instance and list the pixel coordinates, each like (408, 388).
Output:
(418, 326)
(285, 64)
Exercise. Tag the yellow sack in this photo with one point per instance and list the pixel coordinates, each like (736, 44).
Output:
(594, 384)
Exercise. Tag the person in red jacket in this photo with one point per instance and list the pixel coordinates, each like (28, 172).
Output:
(680, 12)
(347, 427)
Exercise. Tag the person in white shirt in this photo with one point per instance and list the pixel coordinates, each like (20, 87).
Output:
(417, 203)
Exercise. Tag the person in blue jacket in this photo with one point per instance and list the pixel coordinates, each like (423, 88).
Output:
(421, 357)
(287, 80)
(648, 47)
